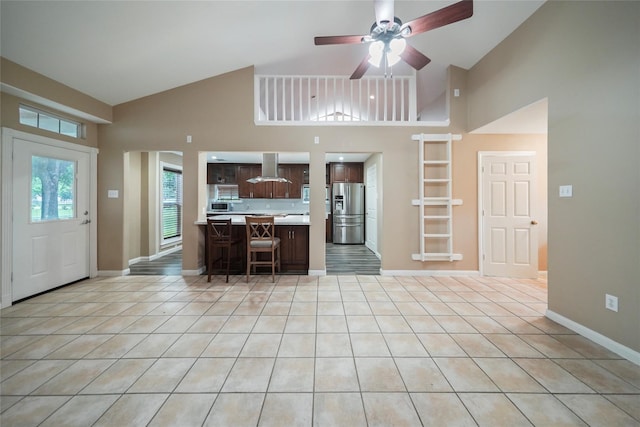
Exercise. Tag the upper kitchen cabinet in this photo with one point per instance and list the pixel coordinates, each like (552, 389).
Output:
(347, 172)
(271, 190)
(293, 189)
(247, 190)
(221, 173)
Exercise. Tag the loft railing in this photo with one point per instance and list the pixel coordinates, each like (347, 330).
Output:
(334, 100)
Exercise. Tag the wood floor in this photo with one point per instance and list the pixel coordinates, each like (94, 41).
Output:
(351, 259)
(168, 265)
(340, 259)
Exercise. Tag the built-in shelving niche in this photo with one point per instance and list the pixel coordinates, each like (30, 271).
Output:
(436, 200)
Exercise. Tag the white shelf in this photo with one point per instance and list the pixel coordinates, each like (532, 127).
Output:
(436, 162)
(441, 218)
(436, 257)
(437, 201)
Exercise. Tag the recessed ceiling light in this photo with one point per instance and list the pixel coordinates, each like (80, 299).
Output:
(372, 97)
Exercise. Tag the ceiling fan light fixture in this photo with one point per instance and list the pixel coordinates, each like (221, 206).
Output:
(376, 50)
(397, 46)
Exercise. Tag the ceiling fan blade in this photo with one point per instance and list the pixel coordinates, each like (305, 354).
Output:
(384, 10)
(324, 40)
(447, 15)
(414, 57)
(361, 69)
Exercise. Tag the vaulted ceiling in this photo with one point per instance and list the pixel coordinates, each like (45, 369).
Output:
(117, 51)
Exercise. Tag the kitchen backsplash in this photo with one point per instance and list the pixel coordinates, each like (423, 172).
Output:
(293, 206)
(271, 205)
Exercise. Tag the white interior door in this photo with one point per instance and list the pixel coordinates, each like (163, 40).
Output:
(51, 193)
(509, 237)
(371, 209)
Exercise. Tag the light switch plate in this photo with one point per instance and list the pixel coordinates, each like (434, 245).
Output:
(112, 194)
(566, 191)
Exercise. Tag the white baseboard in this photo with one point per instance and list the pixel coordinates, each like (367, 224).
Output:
(193, 272)
(596, 337)
(113, 273)
(317, 272)
(156, 256)
(139, 259)
(429, 272)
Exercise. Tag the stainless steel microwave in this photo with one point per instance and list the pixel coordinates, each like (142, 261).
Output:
(220, 206)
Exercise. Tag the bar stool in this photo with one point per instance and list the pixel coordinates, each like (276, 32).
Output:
(261, 239)
(219, 235)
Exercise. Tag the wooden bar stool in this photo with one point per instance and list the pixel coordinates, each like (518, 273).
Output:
(261, 239)
(219, 236)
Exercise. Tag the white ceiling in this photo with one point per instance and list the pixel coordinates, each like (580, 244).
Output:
(117, 51)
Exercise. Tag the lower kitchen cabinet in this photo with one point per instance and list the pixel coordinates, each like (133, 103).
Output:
(294, 248)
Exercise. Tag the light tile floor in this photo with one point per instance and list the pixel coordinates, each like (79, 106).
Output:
(323, 351)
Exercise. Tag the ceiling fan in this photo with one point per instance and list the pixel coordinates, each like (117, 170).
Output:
(387, 44)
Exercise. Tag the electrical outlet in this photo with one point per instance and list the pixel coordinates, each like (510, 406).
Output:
(611, 302)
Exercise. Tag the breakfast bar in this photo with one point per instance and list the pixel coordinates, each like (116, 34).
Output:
(293, 231)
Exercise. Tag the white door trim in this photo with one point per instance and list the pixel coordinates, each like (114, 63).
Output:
(8, 136)
(481, 156)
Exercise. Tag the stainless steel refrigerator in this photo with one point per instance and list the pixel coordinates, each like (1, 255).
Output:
(348, 213)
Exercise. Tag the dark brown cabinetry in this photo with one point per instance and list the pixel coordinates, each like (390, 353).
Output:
(247, 190)
(221, 173)
(294, 248)
(346, 172)
(293, 189)
(329, 229)
(271, 190)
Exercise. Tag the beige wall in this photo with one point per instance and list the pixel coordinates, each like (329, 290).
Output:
(11, 118)
(584, 57)
(203, 110)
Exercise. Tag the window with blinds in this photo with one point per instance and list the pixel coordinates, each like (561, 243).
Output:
(171, 203)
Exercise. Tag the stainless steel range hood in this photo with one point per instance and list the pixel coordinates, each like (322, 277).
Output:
(269, 170)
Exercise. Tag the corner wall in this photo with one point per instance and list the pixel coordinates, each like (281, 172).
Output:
(584, 57)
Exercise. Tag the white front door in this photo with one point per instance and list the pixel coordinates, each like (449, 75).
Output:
(509, 237)
(371, 209)
(51, 217)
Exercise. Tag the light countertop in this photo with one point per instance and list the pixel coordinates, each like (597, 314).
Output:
(279, 219)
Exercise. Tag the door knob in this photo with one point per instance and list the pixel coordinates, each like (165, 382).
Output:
(534, 222)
